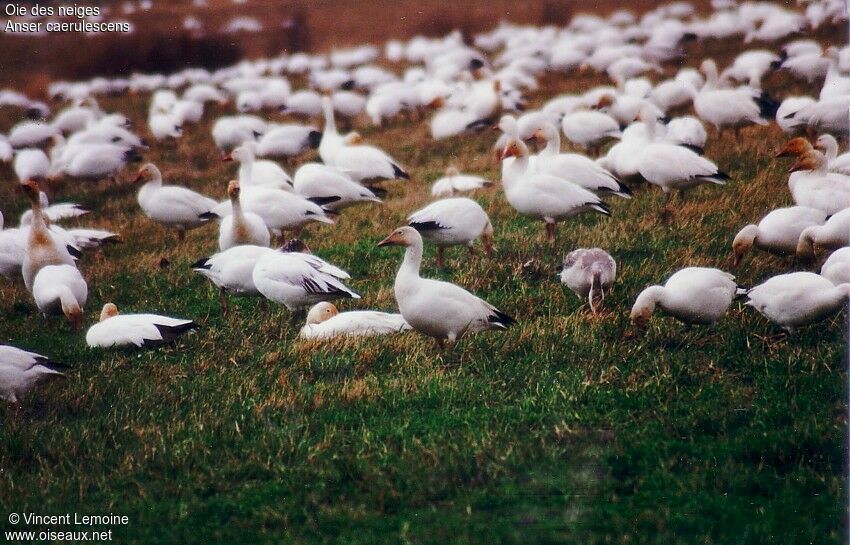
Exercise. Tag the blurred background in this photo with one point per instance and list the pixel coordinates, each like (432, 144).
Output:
(167, 36)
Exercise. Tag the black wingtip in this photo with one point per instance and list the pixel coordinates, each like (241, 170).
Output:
(423, 226)
(379, 192)
(203, 263)
(171, 332)
(314, 138)
(52, 365)
(623, 188)
(499, 317)
(74, 251)
(767, 106)
(720, 175)
(601, 207)
(696, 149)
(321, 201)
(399, 173)
(209, 216)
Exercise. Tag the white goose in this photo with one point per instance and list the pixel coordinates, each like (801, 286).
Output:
(731, 107)
(314, 180)
(54, 212)
(31, 164)
(21, 370)
(835, 162)
(796, 299)
(833, 234)
(139, 330)
(578, 169)
(777, 232)
(438, 309)
(361, 162)
(812, 185)
(43, 247)
(693, 295)
(454, 182)
(456, 221)
(325, 321)
(12, 251)
(61, 289)
(590, 129)
(231, 271)
(298, 280)
(172, 205)
(253, 172)
(288, 140)
(837, 267)
(241, 227)
(589, 273)
(544, 196)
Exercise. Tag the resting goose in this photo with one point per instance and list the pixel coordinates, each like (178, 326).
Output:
(361, 162)
(777, 232)
(288, 140)
(454, 181)
(453, 222)
(590, 129)
(231, 271)
(837, 267)
(241, 227)
(812, 185)
(61, 289)
(31, 164)
(693, 295)
(298, 280)
(835, 163)
(171, 205)
(258, 173)
(578, 169)
(54, 212)
(139, 330)
(589, 273)
(317, 181)
(43, 247)
(731, 107)
(21, 370)
(833, 234)
(796, 299)
(435, 308)
(544, 196)
(325, 321)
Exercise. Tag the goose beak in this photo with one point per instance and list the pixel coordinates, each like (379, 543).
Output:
(509, 152)
(226, 158)
(389, 241)
(138, 177)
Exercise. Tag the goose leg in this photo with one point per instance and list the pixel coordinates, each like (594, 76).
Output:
(550, 231)
(440, 261)
(181, 234)
(488, 245)
(222, 299)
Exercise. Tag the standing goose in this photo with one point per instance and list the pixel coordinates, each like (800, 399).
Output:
(317, 181)
(61, 289)
(578, 169)
(231, 271)
(452, 222)
(435, 308)
(777, 232)
(833, 234)
(693, 295)
(139, 330)
(361, 162)
(325, 321)
(241, 227)
(21, 370)
(796, 299)
(43, 247)
(589, 273)
(544, 196)
(590, 129)
(454, 182)
(253, 172)
(731, 107)
(172, 205)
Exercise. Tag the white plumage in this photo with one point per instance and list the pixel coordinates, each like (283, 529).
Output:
(796, 299)
(325, 321)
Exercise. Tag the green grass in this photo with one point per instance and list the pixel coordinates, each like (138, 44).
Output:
(566, 428)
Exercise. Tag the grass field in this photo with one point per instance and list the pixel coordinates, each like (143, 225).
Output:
(566, 428)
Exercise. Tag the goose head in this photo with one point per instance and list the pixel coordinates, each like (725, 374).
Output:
(71, 309)
(233, 190)
(352, 139)
(31, 190)
(321, 312)
(403, 236)
(811, 160)
(148, 173)
(508, 125)
(109, 311)
(826, 142)
(796, 146)
(244, 152)
(515, 148)
(743, 242)
(709, 68)
(644, 306)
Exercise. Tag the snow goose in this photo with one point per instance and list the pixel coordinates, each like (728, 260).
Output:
(693, 295)
(361, 162)
(43, 247)
(20, 370)
(241, 227)
(796, 299)
(171, 205)
(825, 115)
(785, 114)
(61, 289)
(298, 280)
(454, 181)
(777, 232)
(578, 169)
(833, 234)
(455, 221)
(31, 134)
(589, 273)
(544, 196)
(231, 271)
(325, 321)
(590, 129)
(837, 267)
(139, 330)
(731, 107)
(12, 251)
(435, 308)
(317, 181)
(90, 161)
(812, 185)
(31, 164)
(231, 131)
(253, 172)
(288, 140)
(164, 126)
(835, 162)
